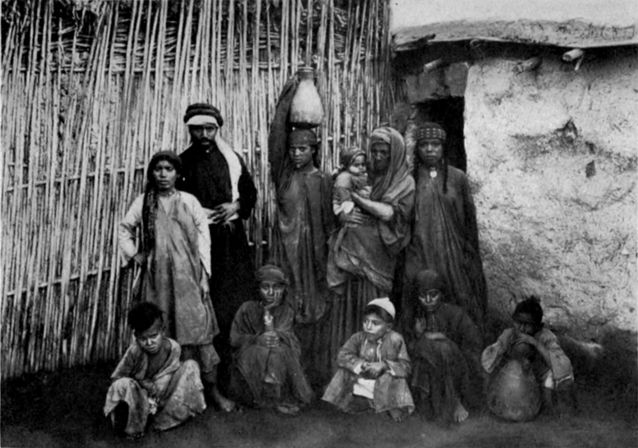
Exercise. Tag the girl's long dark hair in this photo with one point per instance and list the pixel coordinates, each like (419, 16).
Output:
(149, 207)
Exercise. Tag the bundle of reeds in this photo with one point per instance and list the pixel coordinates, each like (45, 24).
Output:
(92, 88)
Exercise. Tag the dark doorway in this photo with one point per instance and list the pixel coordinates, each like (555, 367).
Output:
(448, 112)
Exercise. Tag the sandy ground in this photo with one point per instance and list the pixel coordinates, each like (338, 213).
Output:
(64, 410)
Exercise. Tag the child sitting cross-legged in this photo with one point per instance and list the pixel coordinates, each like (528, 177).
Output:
(373, 367)
(150, 384)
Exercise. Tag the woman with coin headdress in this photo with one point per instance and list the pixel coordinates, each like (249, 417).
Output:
(445, 234)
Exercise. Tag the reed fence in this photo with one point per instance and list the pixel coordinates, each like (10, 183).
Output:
(92, 88)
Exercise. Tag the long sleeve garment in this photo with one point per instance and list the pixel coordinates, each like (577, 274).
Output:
(390, 389)
(133, 218)
(445, 239)
(362, 266)
(560, 366)
(444, 368)
(172, 271)
(255, 362)
(207, 176)
(303, 226)
(179, 390)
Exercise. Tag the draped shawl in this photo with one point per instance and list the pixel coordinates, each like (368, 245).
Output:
(371, 249)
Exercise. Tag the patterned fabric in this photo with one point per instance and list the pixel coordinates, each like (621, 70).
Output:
(430, 131)
(177, 394)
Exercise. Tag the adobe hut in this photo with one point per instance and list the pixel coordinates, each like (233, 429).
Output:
(541, 99)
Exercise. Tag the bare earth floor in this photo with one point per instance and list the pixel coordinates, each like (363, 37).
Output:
(63, 410)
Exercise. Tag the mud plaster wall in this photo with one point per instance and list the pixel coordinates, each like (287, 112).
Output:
(552, 158)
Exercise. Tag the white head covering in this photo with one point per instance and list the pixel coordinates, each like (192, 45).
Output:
(201, 120)
(385, 304)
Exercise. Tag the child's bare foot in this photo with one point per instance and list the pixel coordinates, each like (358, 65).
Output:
(223, 403)
(135, 436)
(460, 413)
(287, 409)
(397, 415)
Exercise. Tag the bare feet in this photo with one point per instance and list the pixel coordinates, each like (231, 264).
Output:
(135, 436)
(223, 403)
(460, 413)
(397, 415)
(287, 409)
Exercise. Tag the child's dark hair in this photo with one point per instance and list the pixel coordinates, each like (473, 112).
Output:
(532, 307)
(143, 315)
(383, 314)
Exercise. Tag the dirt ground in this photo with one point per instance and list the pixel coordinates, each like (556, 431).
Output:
(64, 410)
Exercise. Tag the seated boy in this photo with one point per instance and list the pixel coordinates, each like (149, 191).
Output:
(267, 371)
(150, 382)
(445, 350)
(373, 367)
(552, 368)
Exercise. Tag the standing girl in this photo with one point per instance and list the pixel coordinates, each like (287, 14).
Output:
(174, 255)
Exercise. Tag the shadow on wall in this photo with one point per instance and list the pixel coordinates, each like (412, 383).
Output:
(615, 373)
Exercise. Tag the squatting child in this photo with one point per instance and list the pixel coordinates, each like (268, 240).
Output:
(549, 364)
(150, 384)
(373, 367)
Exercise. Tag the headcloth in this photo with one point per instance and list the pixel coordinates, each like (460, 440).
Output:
(271, 273)
(199, 114)
(383, 134)
(429, 279)
(385, 304)
(430, 131)
(302, 137)
(347, 156)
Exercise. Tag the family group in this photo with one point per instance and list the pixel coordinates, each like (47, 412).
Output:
(373, 297)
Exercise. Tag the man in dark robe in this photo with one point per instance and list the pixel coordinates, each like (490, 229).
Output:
(217, 176)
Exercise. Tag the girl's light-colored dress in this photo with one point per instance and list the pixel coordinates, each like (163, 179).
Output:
(179, 396)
